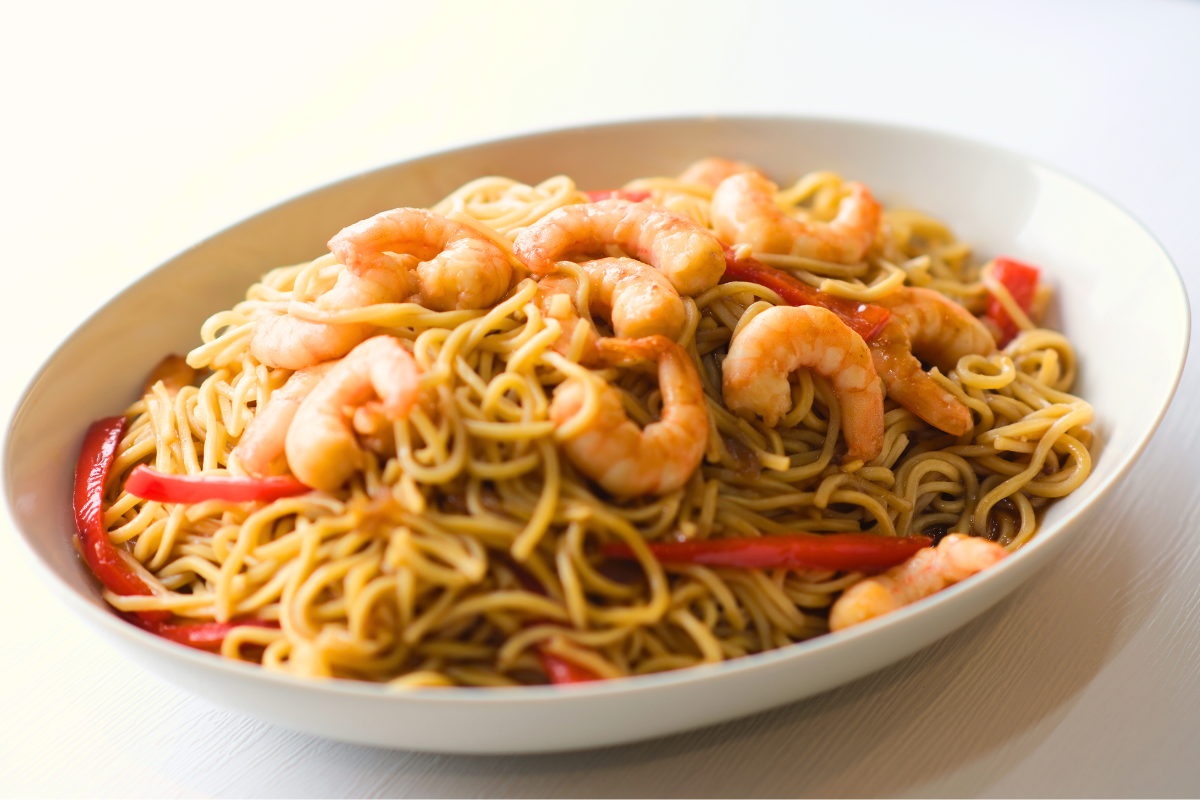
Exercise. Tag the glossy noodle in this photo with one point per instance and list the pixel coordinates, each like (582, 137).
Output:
(473, 541)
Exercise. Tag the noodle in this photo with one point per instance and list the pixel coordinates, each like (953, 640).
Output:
(467, 546)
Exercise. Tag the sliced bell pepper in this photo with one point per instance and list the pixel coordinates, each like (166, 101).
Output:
(200, 635)
(1021, 280)
(632, 195)
(153, 485)
(849, 552)
(863, 318)
(557, 668)
(91, 472)
(560, 670)
(118, 576)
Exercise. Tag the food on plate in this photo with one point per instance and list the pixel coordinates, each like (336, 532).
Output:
(535, 434)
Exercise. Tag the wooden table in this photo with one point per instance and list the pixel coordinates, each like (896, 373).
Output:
(134, 132)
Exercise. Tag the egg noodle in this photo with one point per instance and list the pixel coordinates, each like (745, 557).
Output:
(468, 543)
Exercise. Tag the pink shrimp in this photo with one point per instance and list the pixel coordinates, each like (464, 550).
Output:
(926, 324)
(292, 342)
(783, 339)
(956, 558)
(321, 447)
(636, 298)
(627, 460)
(459, 266)
(675, 245)
(744, 212)
(263, 440)
(289, 342)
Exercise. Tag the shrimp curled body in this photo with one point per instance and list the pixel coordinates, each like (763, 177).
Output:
(931, 569)
(626, 460)
(291, 342)
(439, 263)
(744, 212)
(637, 298)
(929, 326)
(321, 447)
(459, 266)
(675, 245)
(264, 438)
(288, 342)
(783, 339)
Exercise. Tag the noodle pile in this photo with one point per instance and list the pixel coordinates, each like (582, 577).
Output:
(468, 544)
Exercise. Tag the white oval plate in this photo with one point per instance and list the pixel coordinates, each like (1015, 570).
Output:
(1131, 337)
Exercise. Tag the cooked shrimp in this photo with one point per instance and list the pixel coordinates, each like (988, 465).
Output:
(459, 268)
(293, 343)
(941, 330)
(744, 212)
(929, 326)
(675, 245)
(391, 281)
(626, 460)
(932, 569)
(711, 171)
(635, 297)
(262, 441)
(290, 342)
(321, 447)
(174, 372)
(783, 339)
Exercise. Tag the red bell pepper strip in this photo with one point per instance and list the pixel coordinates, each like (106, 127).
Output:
(91, 473)
(200, 635)
(863, 318)
(857, 552)
(632, 195)
(557, 668)
(153, 485)
(560, 670)
(1021, 280)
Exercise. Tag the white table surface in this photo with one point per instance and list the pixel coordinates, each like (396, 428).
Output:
(131, 132)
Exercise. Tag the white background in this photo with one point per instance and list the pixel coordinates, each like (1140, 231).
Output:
(131, 132)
